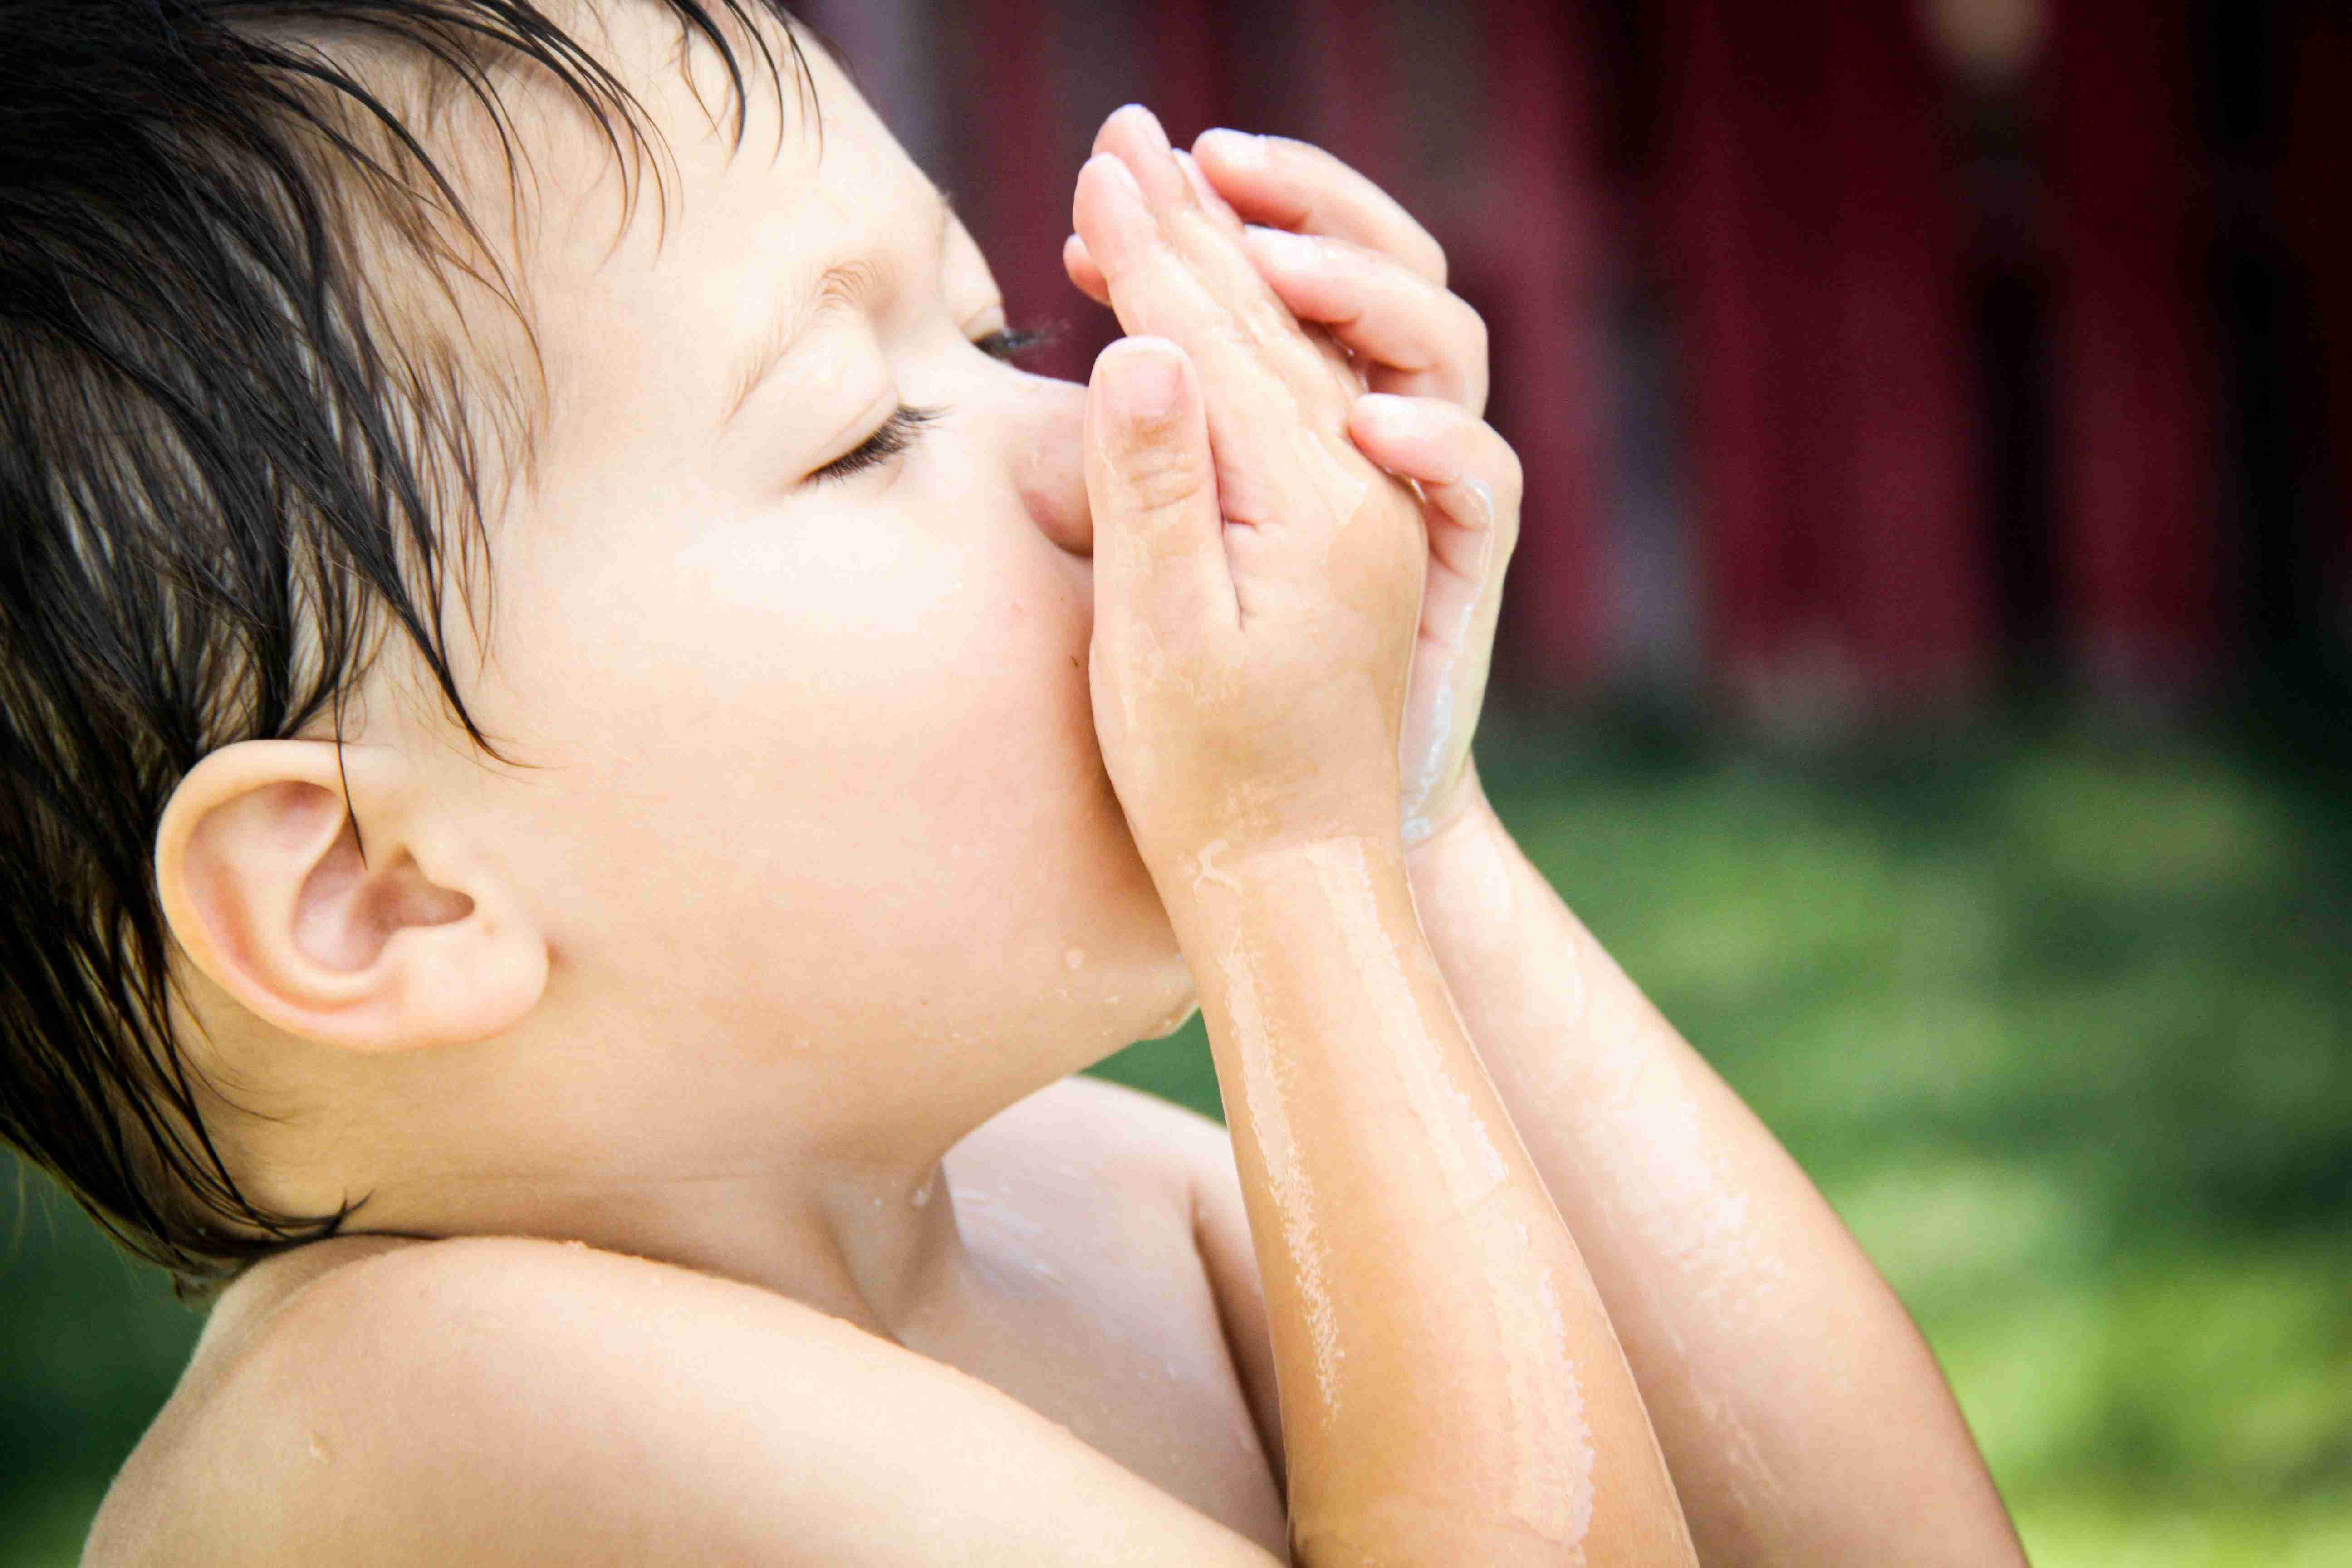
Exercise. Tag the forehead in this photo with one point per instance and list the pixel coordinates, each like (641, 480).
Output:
(810, 153)
(647, 262)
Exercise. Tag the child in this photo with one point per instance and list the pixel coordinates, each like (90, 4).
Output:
(661, 753)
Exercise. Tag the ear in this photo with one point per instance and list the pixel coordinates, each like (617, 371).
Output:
(264, 884)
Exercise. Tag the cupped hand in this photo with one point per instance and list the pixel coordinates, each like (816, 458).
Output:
(1343, 254)
(1256, 575)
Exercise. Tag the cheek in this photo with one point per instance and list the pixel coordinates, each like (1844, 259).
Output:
(947, 678)
(863, 742)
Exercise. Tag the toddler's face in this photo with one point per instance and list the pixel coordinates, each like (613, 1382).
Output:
(817, 771)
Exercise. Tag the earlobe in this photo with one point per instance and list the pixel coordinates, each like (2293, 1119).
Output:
(264, 882)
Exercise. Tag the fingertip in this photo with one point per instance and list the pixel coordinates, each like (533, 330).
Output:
(1142, 381)
(1084, 271)
(1140, 121)
(1407, 435)
(1390, 415)
(1107, 202)
(1140, 342)
(1234, 150)
(1109, 169)
(1109, 130)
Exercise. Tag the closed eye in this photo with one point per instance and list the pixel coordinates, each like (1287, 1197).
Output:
(898, 432)
(892, 437)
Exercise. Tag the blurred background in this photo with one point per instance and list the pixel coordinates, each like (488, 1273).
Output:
(1925, 665)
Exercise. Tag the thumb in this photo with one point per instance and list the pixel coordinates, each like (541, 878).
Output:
(1151, 483)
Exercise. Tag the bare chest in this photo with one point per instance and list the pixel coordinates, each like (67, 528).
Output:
(1090, 1305)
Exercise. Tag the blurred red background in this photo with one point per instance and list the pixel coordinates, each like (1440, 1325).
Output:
(1866, 357)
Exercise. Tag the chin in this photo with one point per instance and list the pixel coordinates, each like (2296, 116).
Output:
(1167, 1008)
(1177, 1019)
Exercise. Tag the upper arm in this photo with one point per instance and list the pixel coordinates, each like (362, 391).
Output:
(504, 1401)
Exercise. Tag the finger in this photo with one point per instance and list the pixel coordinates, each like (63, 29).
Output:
(1350, 372)
(1294, 185)
(1133, 134)
(1422, 341)
(1080, 263)
(1210, 199)
(1471, 480)
(1160, 553)
(1253, 413)
(1214, 250)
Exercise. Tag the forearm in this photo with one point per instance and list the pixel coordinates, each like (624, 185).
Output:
(1450, 1380)
(1803, 1418)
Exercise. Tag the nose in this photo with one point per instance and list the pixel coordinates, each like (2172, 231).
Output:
(1048, 460)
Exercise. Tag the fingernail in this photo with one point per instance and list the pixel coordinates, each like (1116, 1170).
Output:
(1238, 149)
(1115, 170)
(1146, 380)
(1152, 128)
(1284, 248)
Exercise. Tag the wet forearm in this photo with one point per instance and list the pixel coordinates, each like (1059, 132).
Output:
(1803, 1414)
(1449, 1381)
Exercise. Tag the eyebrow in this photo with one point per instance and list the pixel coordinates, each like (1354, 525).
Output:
(852, 284)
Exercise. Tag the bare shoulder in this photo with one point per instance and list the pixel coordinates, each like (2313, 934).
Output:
(500, 1400)
(1108, 1134)
(1107, 1128)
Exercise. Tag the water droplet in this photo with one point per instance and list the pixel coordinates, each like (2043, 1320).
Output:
(1075, 958)
(320, 1451)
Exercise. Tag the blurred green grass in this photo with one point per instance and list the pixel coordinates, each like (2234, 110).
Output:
(2063, 1026)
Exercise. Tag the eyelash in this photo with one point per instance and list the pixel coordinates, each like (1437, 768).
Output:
(1007, 342)
(900, 431)
(894, 436)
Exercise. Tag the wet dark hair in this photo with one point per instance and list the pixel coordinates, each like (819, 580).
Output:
(226, 475)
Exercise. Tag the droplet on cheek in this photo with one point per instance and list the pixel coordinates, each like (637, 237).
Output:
(1076, 958)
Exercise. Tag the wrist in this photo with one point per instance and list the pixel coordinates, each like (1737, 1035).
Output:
(1468, 886)
(1436, 840)
(1271, 888)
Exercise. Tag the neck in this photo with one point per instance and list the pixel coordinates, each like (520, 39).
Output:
(812, 1180)
(852, 1218)
(867, 1242)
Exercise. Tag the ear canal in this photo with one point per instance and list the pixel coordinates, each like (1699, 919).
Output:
(347, 909)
